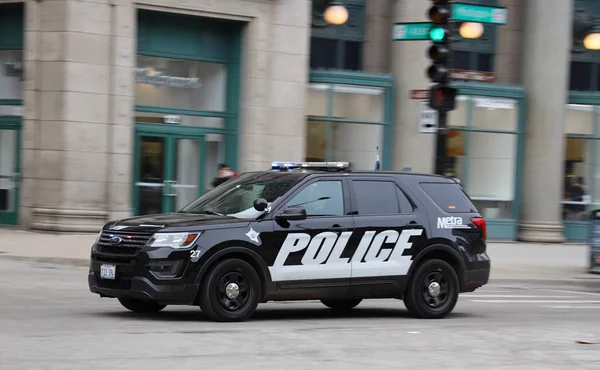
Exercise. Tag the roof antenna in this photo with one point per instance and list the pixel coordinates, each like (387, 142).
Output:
(406, 169)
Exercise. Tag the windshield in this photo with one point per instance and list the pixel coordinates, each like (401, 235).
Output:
(236, 197)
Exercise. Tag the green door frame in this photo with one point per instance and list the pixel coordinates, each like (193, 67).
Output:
(170, 134)
(13, 123)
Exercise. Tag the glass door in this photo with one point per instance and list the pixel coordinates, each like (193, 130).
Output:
(10, 176)
(168, 172)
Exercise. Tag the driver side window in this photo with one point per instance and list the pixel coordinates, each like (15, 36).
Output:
(321, 198)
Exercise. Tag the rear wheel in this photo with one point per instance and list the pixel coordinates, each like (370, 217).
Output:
(230, 292)
(140, 306)
(433, 290)
(341, 304)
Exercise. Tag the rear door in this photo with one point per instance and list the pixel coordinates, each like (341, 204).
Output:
(388, 229)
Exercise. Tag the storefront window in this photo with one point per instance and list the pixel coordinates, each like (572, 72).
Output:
(358, 103)
(495, 113)
(11, 74)
(180, 84)
(357, 142)
(580, 175)
(485, 161)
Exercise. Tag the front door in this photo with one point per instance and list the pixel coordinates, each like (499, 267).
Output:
(311, 259)
(10, 174)
(168, 172)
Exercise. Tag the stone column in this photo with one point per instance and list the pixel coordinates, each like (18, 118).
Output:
(67, 115)
(276, 47)
(509, 43)
(376, 53)
(409, 63)
(545, 68)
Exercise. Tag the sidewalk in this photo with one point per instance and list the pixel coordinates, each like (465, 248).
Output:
(547, 263)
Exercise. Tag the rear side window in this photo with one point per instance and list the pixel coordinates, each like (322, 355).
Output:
(449, 197)
(376, 197)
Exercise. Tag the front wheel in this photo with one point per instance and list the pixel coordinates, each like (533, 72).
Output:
(433, 290)
(341, 304)
(230, 292)
(140, 306)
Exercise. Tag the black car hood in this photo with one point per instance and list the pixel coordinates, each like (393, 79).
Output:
(168, 220)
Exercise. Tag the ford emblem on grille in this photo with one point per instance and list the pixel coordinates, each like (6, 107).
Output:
(115, 240)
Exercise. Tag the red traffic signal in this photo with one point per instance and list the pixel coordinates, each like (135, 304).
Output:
(442, 98)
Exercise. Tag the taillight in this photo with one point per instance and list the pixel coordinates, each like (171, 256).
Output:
(480, 223)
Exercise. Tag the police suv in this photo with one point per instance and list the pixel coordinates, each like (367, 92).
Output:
(301, 231)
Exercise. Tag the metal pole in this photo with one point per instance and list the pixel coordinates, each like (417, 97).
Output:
(440, 151)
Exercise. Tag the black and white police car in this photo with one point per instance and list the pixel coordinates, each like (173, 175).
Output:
(301, 231)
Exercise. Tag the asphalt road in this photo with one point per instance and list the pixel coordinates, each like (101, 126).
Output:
(50, 320)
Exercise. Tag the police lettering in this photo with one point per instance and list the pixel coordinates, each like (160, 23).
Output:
(327, 247)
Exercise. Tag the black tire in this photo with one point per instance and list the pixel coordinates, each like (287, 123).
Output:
(341, 305)
(140, 306)
(214, 301)
(421, 301)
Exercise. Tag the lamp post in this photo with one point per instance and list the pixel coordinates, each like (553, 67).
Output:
(336, 13)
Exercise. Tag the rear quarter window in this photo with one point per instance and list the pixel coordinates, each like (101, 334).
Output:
(449, 197)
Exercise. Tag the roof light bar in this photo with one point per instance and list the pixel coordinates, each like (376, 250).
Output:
(322, 166)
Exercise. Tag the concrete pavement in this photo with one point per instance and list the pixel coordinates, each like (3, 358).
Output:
(50, 320)
(547, 263)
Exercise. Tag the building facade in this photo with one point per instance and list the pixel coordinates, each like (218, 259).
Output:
(116, 108)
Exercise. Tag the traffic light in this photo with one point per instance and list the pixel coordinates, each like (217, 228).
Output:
(442, 98)
(439, 34)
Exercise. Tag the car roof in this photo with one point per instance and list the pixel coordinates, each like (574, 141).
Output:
(307, 172)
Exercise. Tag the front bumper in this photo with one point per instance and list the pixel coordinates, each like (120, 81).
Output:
(142, 288)
(163, 275)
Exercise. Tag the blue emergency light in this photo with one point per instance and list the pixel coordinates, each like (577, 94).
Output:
(312, 166)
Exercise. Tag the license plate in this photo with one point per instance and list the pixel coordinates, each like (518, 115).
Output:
(107, 272)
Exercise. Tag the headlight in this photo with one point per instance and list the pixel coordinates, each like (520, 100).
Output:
(173, 240)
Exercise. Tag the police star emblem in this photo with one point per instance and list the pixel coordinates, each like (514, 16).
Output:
(253, 235)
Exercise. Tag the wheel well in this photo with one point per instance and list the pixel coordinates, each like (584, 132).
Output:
(445, 256)
(244, 257)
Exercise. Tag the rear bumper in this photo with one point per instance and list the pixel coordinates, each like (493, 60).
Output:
(142, 288)
(476, 278)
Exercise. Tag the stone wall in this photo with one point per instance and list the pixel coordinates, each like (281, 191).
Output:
(78, 132)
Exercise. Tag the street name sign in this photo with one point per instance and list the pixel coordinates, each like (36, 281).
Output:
(411, 31)
(479, 13)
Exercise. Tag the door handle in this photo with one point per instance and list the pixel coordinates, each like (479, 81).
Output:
(337, 228)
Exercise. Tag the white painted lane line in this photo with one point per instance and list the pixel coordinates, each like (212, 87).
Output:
(528, 301)
(571, 292)
(569, 307)
(518, 296)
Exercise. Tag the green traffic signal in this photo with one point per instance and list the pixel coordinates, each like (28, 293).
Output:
(437, 34)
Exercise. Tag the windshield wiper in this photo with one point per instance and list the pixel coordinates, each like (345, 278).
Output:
(207, 212)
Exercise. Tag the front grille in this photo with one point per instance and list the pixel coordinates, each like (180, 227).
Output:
(119, 284)
(131, 243)
(128, 239)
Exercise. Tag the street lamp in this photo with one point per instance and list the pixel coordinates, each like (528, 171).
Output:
(592, 39)
(471, 30)
(336, 13)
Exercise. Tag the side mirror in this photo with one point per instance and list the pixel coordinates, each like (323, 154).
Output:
(292, 213)
(260, 204)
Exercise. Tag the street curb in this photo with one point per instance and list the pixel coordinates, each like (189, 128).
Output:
(74, 262)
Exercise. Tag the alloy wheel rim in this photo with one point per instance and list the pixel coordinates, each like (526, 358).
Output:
(436, 289)
(233, 291)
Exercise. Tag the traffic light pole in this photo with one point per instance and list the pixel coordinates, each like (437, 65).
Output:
(440, 145)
